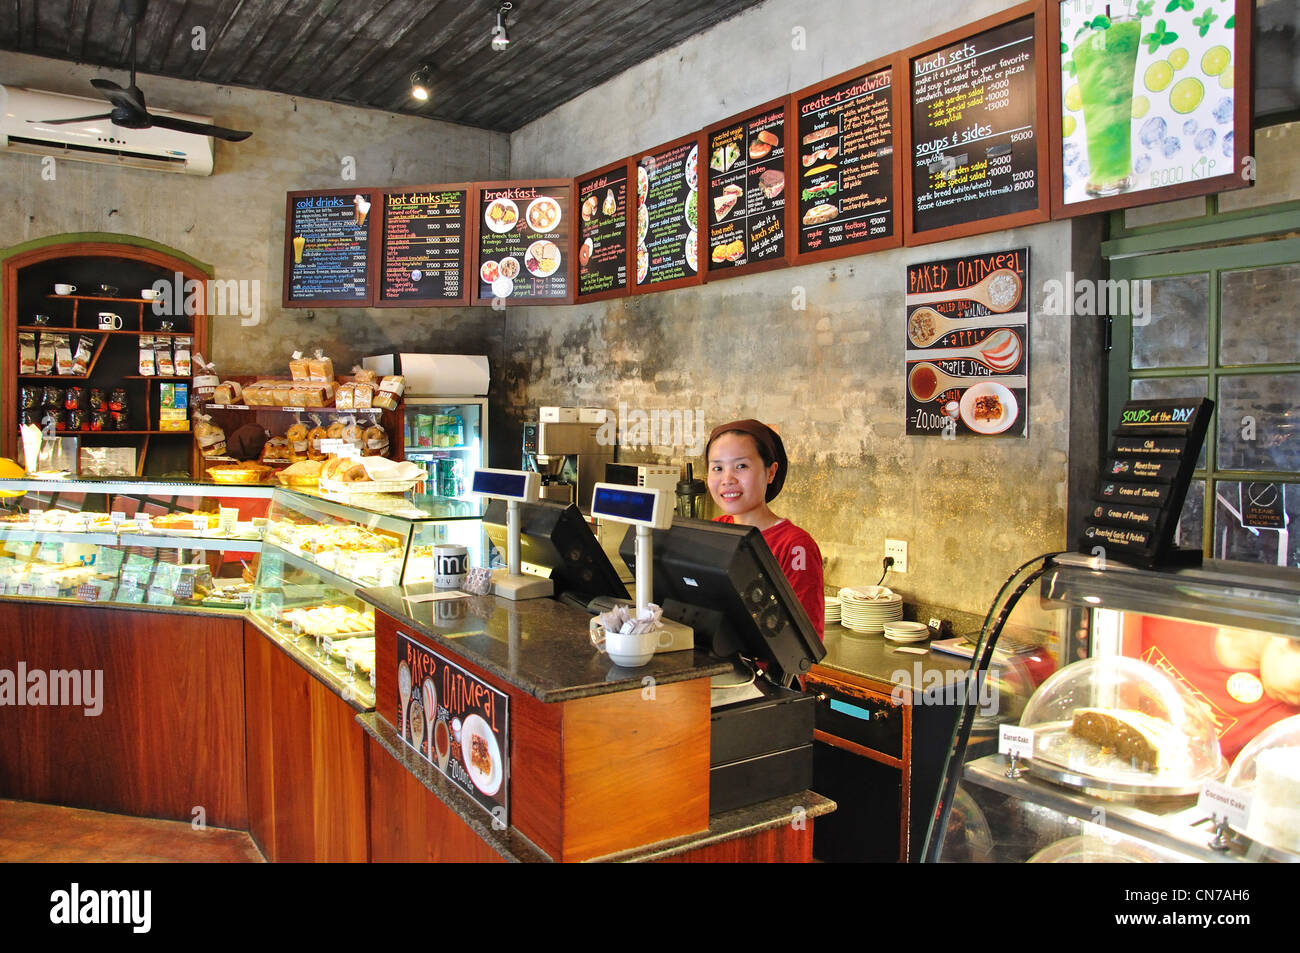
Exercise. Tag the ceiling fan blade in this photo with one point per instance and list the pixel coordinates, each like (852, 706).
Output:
(199, 128)
(130, 99)
(60, 122)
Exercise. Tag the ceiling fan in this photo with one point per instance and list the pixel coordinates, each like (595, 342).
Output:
(129, 110)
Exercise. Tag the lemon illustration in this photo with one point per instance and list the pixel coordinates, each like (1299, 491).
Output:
(1215, 60)
(1140, 106)
(1067, 127)
(1225, 79)
(1073, 100)
(1158, 75)
(1186, 95)
(1178, 58)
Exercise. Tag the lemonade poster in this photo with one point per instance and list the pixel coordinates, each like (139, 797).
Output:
(1146, 94)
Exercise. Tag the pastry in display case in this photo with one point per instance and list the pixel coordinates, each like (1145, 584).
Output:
(142, 542)
(1183, 681)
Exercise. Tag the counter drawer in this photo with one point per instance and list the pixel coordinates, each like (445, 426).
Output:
(861, 717)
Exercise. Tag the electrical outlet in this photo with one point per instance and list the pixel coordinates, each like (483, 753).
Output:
(897, 548)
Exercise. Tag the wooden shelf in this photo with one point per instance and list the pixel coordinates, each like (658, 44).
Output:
(56, 297)
(125, 433)
(48, 328)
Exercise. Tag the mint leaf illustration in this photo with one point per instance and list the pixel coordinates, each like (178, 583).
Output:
(1145, 7)
(1204, 20)
(1070, 68)
(1176, 4)
(1100, 22)
(1229, 22)
(1156, 37)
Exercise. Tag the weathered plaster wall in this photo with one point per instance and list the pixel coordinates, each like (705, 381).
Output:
(830, 376)
(234, 219)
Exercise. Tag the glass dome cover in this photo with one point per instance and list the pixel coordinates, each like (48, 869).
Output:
(1122, 725)
(1274, 755)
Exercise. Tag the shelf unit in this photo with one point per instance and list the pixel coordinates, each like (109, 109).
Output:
(28, 278)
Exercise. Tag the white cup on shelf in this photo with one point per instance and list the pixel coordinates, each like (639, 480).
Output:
(108, 321)
(64, 289)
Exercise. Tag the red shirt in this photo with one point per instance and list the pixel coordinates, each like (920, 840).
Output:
(801, 561)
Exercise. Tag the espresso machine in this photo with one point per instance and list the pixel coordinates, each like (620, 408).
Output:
(568, 456)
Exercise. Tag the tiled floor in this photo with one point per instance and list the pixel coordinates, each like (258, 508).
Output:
(43, 833)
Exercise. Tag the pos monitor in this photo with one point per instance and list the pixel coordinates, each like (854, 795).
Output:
(557, 543)
(722, 580)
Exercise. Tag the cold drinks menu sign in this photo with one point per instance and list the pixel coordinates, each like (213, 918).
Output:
(974, 138)
(602, 233)
(328, 238)
(968, 345)
(424, 246)
(523, 242)
(457, 722)
(746, 191)
(846, 187)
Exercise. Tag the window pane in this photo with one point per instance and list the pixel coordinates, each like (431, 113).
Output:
(1257, 422)
(1191, 522)
(1237, 504)
(1155, 388)
(1257, 324)
(1177, 332)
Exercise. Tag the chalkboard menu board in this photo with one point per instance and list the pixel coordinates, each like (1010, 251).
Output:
(424, 244)
(977, 122)
(602, 198)
(745, 196)
(667, 207)
(967, 352)
(844, 177)
(1144, 482)
(328, 236)
(1149, 103)
(523, 239)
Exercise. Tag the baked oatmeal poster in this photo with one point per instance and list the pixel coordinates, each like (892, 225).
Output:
(457, 722)
(967, 346)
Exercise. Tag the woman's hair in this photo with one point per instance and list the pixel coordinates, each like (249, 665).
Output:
(768, 442)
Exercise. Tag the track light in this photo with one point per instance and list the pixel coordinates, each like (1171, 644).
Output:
(501, 39)
(420, 83)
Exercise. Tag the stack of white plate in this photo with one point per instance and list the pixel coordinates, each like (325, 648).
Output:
(906, 631)
(832, 609)
(868, 608)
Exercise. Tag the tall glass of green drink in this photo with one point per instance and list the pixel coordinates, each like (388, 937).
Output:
(1105, 61)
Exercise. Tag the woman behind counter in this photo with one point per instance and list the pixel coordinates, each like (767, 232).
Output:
(747, 466)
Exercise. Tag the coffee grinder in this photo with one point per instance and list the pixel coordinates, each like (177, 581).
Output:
(569, 458)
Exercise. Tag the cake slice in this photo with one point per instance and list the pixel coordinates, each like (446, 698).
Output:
(1145, 742)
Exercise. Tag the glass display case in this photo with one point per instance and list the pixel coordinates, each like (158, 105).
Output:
(316, 555)
(1171, 681)
(142, 542)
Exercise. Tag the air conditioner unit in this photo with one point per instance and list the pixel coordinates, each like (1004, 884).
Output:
(97, 140)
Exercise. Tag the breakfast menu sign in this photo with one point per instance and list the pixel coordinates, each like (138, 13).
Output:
(523, 242)
(457, 722)
(968, 345)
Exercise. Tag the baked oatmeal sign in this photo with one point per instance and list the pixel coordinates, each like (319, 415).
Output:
(458, 723)
(967, 347)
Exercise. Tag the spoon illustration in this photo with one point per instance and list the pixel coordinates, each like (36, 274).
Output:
(925, 380)
(999, 292)
(927, 325)
(999, 352)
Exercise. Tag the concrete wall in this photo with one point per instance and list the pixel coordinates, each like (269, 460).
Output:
(234, 219)
(831, 377)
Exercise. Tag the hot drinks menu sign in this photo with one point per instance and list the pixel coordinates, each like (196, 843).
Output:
(424, 242)
(968, 345)
(457, 722)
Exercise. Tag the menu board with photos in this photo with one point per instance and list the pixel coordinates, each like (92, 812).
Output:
(846, 180)
(456, 722)
(976, 119)
(522, 249)
(1149, 103)
(602, 198)
(327, 248)
(745, 196)
(424, 246)
(967, 353)
(667, 207)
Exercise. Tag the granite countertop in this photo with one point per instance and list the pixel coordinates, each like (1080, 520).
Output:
(872, 657)
(540, 646)
(517, 848)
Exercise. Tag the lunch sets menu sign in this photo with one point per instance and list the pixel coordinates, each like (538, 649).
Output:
(667, 211)
(523, 242)
(845, 167)
(967, 351)
(424, 246)
(456, 722)
(328, 255)
(602, 232)
(746, 192)
(974, 146)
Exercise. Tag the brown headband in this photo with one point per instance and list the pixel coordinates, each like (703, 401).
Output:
(767, 439)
